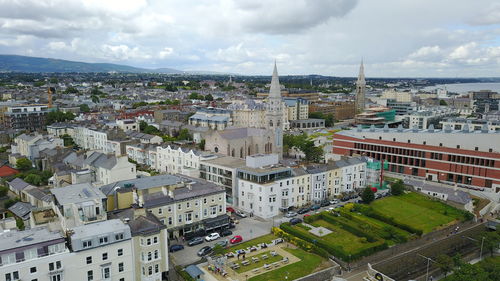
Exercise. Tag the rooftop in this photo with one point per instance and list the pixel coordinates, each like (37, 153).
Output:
(227, 161)
(96, 228)
(77, 193)
(15, 239)
(141, 183)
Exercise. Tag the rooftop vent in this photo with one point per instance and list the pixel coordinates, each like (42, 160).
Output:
(431, 128)
(400, 128)
(386, 128)
(372, 128)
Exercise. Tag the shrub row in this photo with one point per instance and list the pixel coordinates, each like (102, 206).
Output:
(335, 250)
(346, 225)
(370, 212)
(304, 245)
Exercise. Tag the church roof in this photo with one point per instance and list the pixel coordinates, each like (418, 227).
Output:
(275, 90)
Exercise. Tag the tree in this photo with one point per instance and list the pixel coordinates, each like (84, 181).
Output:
(59, 116)
(23, 164)
(397, 188)
(457, 260)
(142, 125)
(201, 145)
(152, 130)
(184, 134)
(33, 179)
(84, 108)
(67, 140)
(209, 97)
(443, 103)
(94, 98)
(368, 195)
(445, 263)
(218, 250)
(71, 90)
(491, 241)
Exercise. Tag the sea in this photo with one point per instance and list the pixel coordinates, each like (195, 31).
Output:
(465, 87)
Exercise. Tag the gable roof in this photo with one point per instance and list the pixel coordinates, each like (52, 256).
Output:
(18, 184)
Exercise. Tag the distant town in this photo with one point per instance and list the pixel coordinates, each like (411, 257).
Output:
(142, 176)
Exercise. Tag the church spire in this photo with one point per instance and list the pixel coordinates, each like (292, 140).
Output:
(360, 89)
(275, 90)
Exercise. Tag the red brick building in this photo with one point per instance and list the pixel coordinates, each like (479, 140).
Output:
(471, 159)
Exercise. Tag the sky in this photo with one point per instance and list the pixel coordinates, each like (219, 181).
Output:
(395, 38)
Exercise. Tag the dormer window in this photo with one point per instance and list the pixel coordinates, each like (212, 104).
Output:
(103, 240)
(87, 244)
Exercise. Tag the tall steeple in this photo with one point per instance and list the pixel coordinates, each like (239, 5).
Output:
(274, 113)
(360, 89)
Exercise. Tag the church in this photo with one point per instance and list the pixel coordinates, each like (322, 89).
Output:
(266, 139)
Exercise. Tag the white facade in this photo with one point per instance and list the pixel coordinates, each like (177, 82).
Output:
(31, 145)
(178, 160)
(128, 125)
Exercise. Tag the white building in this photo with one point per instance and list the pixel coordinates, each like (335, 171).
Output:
(178, 160)
(30, 145)
(128, 125)
(108, 168)
(213, 118)
(102, 251)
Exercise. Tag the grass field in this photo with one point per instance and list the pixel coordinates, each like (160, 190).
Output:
(343, 238)
(380, 225)
(262, 239)
(417, 211)
(309, 262)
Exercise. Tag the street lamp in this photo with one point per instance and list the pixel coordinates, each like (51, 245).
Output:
(482, 243)
(428, 263)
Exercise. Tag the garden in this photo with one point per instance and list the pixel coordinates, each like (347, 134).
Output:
(359, 230)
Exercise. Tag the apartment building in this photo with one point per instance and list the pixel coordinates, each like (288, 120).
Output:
(187, 206)
(25, 117)
(30, 145)
(149, 243)
(179, 160)
(34, 254)
(213, 118)
(104, 140)
(102, 251)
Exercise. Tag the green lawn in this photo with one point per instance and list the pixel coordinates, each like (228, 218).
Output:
(262, 239)
(340, 237)
(379, 224)
(260, 263)
(293, 271)
(417, 211)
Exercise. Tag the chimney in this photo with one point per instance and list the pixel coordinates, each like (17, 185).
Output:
(386, 128)
(372, 128)
(400, 128)
(431, 128)
(465, 129)
(484, 128)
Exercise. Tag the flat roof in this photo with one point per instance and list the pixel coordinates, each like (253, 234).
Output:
(142, 183)
(15, 239)
(98, 228)
(227, 161)
(77, 193)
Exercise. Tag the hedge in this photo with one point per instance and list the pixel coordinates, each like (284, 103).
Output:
(304, 245)
(370, 212)
(348, 227)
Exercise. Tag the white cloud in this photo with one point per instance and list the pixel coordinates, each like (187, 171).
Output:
(166, 52)
(425, 52)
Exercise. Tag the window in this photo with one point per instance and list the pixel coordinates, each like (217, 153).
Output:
(120, 252)
(204, 200)
(104, 256)
(106, 273)
(120, 267)
(213, 210)
(179, 206)
(90, 275)
(33, 270)
(170, 220)
(12, 276)
(53, 266)
(155, 239)
(180, 218)
(118, 236)
(103, 240)
(89, 260)
(150, 270)
(87, 244)
(156, 254)
(150, 256)
(169, 209)
(57, 277)
(157, 268)
(122, 279)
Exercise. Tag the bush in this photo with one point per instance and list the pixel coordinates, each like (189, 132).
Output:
(397, 188)
(370, 212)
(368, 195)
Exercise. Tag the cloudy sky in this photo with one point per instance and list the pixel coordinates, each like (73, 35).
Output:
(395, 38)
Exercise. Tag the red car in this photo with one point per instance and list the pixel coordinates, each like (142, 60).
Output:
(236, 239)
(307, 215)
(230, 209)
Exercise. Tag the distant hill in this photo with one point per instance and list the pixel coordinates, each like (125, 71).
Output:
(14, 63)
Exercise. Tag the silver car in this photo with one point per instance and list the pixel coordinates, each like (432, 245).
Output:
(290, 214)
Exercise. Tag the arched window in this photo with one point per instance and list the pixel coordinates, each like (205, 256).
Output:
(249, 150)
(241, 152)
(270, 123)
(216, 149)
(232, 152)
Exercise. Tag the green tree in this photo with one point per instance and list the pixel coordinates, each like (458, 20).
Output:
(209, 97)
(184, 135)
(397, 188)
(84, 107)
(67, 140)
(23, 164)
(201, 145)
(94, 98)
(71, 90)
(33, 179)
(445, 263)
(457, 260)
(58, 116)
(443, 103)
(218, 250)
(3, 191)
(152, 130)
(491, 241)
(368, 195)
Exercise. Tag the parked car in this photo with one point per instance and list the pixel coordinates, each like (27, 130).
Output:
(295, 221)
(240, 214)
(212, 236)
(290, 214)
(325, 203)
(236, 239)
(195, 241)
(303, 211)
(334, 201)
(315, 207)
(345, 198)
(175, 248)
(226, 232)
(204, 251)
(222, 243)
(230, 209)
(307, 215)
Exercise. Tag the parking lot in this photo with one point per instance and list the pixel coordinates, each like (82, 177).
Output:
(248, 228)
